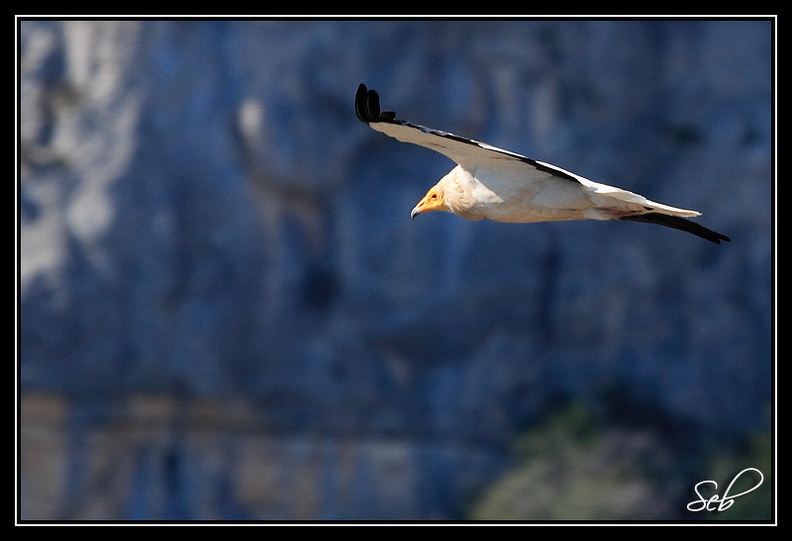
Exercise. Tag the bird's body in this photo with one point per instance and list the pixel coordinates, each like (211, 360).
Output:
(493, 194)
(497, 184)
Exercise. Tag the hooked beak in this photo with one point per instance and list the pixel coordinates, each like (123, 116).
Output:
(431, 201)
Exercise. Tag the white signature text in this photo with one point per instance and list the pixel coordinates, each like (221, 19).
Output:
(717, 502)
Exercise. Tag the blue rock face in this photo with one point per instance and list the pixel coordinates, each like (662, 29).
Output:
(204, 220)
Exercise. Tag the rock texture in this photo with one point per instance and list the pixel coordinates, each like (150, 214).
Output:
(225, 311)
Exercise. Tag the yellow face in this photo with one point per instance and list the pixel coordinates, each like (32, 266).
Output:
(433, 200)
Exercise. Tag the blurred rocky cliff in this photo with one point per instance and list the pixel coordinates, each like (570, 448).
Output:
(226, 312)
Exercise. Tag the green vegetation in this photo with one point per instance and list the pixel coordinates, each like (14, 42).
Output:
(757, 504)
(577, 465)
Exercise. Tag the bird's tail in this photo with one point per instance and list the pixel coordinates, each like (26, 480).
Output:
(677, 222)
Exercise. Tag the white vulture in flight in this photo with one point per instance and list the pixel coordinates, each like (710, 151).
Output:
(497, 184)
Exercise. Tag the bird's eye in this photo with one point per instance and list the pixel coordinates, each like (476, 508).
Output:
(434, 196)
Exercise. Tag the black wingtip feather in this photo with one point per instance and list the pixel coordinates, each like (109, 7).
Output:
(367, 106)
(682, 224)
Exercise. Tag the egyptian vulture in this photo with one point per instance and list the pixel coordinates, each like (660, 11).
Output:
(497, 184)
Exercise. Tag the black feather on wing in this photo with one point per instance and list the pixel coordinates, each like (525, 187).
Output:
(367, 109)
(677, 222)
(367, 106)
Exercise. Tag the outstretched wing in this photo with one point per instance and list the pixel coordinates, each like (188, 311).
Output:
(468, 153)
(515, 169)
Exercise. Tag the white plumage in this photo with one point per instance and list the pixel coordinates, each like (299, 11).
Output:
(497, 184)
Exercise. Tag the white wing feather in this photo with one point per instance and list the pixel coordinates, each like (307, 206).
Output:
(510, 173)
